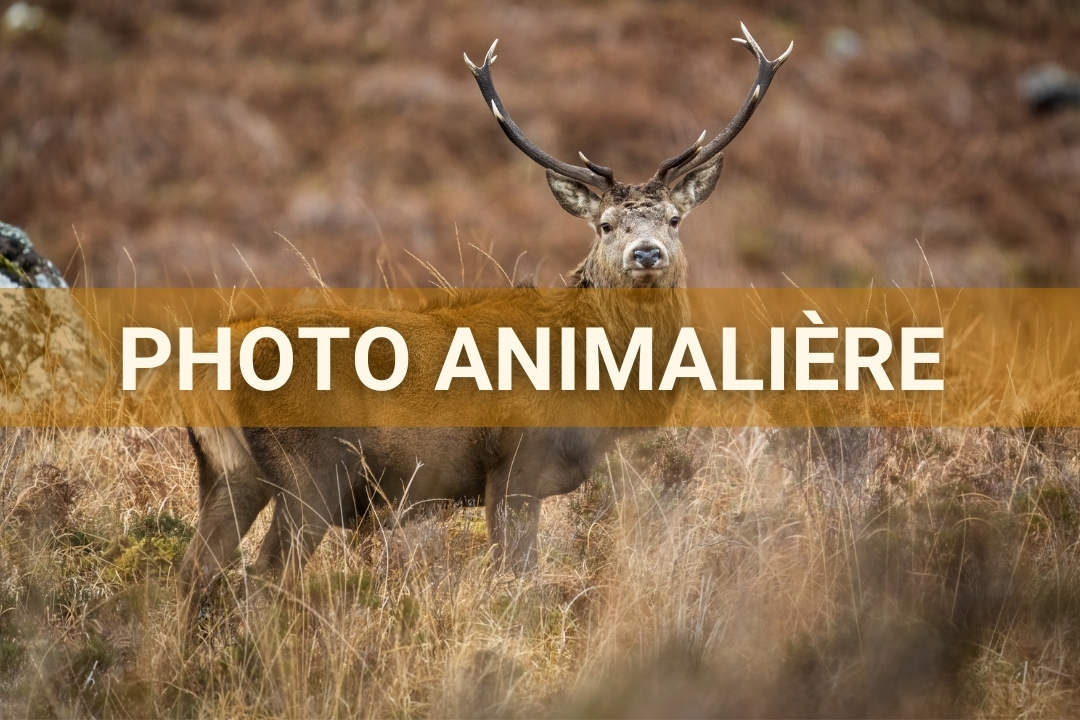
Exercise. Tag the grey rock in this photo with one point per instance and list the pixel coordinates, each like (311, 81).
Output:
(21, 266)
(46, 350)
(1049, 87)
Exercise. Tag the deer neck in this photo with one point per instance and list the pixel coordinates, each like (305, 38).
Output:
(621, 310)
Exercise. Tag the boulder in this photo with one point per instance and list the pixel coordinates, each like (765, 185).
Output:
(21, 266)
(46, 350)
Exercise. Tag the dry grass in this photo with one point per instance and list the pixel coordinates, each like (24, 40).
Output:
(787, 572)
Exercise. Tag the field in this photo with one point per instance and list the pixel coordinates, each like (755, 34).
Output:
(705, 572)
(784, 572)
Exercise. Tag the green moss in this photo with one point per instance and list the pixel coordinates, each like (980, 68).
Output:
(13, 271)
(149, 557)
(152, 547)
(161, 525)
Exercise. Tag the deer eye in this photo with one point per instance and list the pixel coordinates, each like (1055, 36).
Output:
(605, 228)
(674, 222)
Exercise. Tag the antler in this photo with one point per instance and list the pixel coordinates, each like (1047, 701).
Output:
(697, 155)
(596, 175)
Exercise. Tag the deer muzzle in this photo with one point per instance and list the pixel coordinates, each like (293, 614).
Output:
(645, 258)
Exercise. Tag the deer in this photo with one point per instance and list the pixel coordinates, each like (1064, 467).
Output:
(321, 477)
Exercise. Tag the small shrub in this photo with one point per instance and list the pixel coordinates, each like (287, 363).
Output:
(669, 456)
(46, 504)
(152, 547)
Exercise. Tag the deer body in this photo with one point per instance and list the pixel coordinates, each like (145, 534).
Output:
(322, 477)
(318, 477)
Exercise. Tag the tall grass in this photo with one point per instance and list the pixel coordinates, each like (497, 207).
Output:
(784, 572)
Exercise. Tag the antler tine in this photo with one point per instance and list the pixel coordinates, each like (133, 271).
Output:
(601, 170)
(697, 156)
(684, 157)
(596, 175)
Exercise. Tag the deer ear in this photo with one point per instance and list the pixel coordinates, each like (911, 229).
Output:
(696, 187)
(576, 198)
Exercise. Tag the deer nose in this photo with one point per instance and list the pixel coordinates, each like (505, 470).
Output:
(646, 258)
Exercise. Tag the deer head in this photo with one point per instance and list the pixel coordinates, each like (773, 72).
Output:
(636, 224)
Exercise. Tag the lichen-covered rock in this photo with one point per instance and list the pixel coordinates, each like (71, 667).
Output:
(21, 266)
(46, 349)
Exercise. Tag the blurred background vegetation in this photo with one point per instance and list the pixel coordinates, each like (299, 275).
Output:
(179, 142)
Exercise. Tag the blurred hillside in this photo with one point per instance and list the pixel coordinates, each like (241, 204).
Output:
(177, 142)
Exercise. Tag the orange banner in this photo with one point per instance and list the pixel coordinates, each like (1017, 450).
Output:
(539, 358)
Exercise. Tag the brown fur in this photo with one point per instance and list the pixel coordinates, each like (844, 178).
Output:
(318, 477)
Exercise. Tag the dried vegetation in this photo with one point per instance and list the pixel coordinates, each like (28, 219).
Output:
(186, 133)
(791, 572)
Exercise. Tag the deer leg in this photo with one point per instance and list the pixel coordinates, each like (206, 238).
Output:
(230, 498)
(519, 521)
(303, 511)
(512, 508)
(269, 563)
(295, 532)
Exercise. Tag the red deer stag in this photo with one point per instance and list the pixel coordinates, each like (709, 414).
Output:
(319, 477)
